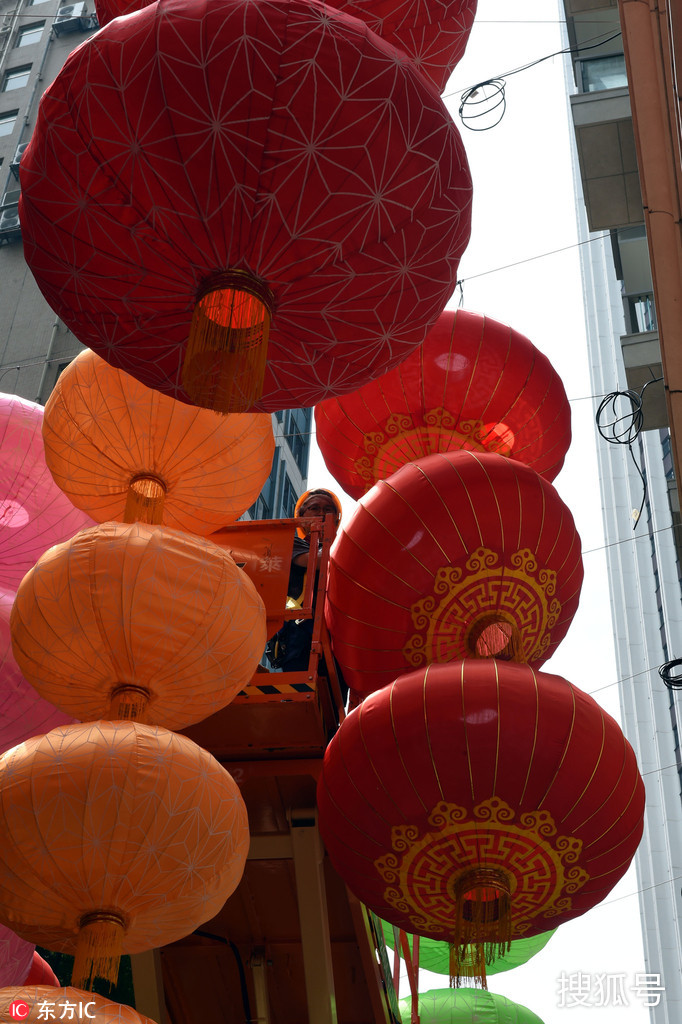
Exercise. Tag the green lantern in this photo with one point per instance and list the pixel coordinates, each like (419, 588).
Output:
(463, 1005)
(434, 956)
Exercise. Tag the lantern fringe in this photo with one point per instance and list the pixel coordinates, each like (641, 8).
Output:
(483, 924)
(129, 702)
(98, 949)
(226, 354)
(145, 500)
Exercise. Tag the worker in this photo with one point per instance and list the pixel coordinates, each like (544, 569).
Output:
(289, 649)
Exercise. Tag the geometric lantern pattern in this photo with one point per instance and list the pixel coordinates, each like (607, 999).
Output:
(433, 33)
(182, 140)
(459, 554)
(474, 384)
(480, 766)
(109, 439)
(123, 611)
(33, 512)
(117, 819)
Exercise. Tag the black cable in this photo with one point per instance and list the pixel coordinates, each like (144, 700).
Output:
(667, 673)
(495, 98)
(240, 967)
(626, 427)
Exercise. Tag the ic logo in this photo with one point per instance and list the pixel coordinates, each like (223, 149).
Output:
(19, 1010)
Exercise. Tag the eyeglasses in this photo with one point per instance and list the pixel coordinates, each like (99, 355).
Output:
(318, 509)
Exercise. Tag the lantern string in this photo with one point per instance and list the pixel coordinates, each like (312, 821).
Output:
(625, 428)
(490, 94)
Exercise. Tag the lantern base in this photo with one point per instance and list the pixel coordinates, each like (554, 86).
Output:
(226, 354)
(494, 636)
(129, 702)
(145, 500)
(98, 949)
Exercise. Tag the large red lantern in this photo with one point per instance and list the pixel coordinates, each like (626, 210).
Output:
(456, 555)
(478, 802)
(474, 384)
(183, 200)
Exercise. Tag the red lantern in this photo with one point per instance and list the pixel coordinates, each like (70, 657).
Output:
(183, 200)
(474, 384)
(433, 34)
(455, 555)
(478, 802)
(40, 973)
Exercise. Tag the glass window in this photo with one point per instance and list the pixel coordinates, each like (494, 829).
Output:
(16, 78)
(32, 3)
(7, 120)
(599, 73)
(30, 34)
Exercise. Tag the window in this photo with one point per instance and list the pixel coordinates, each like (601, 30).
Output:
(7, 120)
(599, 73)
(30, 34)
(32, 3)
(16, 78)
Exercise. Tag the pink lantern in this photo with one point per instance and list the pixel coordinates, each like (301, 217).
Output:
(34, 514)
(23, 713)
(16, 956)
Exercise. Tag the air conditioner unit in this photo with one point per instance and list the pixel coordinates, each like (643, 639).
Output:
(72, 18)
(16, 159)
(10, 226)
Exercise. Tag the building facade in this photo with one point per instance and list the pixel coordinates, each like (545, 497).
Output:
(643, 548)
(36, 37)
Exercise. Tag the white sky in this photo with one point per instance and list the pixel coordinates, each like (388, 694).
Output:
(523, 207)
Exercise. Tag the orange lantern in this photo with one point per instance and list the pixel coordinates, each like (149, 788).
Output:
(457, 555)
(35, 1003)
(479, 802)
(122, 451)
(474, 384)
(131, 620)
(118, 837)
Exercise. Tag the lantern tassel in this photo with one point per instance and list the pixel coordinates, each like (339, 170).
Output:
(483, 925)
(226, 354)
(145, 500)
(98, 949)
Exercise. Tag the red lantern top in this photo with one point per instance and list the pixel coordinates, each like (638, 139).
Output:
(178, 156)
(433, 33)
(455, 555)
(474, 384)
(480, 766)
